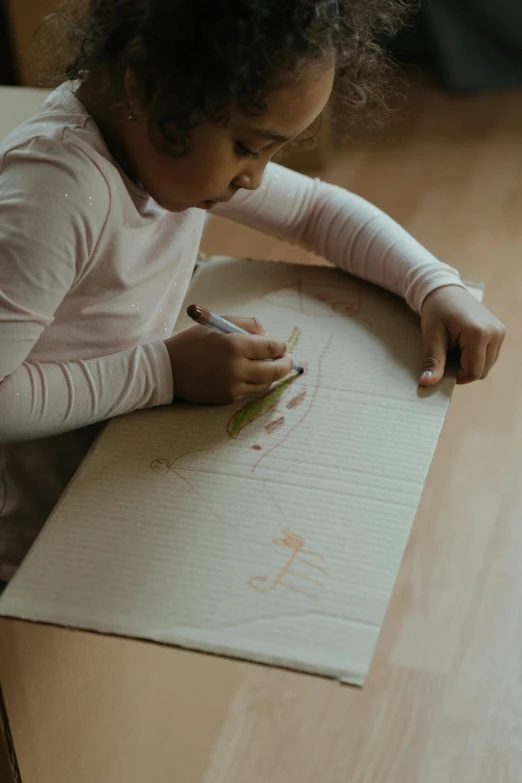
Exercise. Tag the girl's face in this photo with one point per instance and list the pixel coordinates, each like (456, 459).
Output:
(222, 159)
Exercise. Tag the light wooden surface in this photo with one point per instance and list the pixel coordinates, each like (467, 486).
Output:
(443, 703)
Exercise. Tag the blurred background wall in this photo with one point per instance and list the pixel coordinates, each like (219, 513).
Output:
(468, 46)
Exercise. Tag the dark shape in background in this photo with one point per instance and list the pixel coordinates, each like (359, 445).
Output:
(8, 73)
(473, 46)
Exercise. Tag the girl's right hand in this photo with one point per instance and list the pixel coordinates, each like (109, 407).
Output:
(217, 369)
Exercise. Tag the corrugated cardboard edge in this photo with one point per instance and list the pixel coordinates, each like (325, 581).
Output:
(342, 676)
(475, 288)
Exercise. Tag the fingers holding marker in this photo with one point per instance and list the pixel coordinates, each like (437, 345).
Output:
(246, 337)
(250, 325)
(265, 373)
(252, 376)
(222, 325)
(262, 348)
(268, 350)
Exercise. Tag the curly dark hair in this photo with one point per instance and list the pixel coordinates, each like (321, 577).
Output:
(202, 56)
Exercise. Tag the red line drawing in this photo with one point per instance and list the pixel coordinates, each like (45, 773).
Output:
(288, 575)
(295, 543)
(253, 410)
(160, 466)
(343, 300)
(289, 291)
(298, 400)
(275, 425)
(308, 410)
(164, 466)
(294, 465)
(314, 565)
(289, 540)
(207, 505)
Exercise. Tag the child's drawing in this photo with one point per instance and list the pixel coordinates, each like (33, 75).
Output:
(319, 301)
(164, 466)
(250, 442)
(274, 425)
(249, 413)
(260, 443)
(297, 402)
(290, 578)
(254, 409)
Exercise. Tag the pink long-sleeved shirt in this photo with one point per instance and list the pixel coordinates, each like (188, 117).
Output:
(92, 277)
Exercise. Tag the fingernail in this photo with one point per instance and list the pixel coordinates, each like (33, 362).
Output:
(426, 375)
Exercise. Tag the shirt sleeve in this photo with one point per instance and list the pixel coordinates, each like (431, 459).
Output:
(343, 228)
(49, 228)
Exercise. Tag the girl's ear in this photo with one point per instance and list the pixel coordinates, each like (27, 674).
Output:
(135, 95)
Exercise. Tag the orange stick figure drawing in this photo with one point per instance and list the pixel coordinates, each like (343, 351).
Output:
(288, 575)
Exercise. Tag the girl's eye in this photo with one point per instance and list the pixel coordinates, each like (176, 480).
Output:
(244, 152)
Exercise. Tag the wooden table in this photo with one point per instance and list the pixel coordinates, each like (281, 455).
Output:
(443, 703)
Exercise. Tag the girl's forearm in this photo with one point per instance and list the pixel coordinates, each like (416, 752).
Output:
(41, 399)
(343, 228)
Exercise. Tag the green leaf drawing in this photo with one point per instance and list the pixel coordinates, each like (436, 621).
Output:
(256, 408)
(294, 339)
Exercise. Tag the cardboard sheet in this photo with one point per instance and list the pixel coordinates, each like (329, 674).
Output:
(271, 530)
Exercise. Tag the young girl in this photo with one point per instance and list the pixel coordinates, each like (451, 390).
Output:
(173, 108)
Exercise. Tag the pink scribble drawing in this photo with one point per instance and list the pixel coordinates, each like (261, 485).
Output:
(274, 425)
(307, 411)
(340, 300)
(295, 402)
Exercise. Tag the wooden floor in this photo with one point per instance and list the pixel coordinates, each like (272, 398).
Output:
(443, 703)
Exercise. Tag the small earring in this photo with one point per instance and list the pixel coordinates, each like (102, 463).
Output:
(131, 116)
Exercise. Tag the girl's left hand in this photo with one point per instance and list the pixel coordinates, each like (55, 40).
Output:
(452, 318)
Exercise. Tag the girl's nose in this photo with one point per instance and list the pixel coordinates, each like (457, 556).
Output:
(250, 180)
